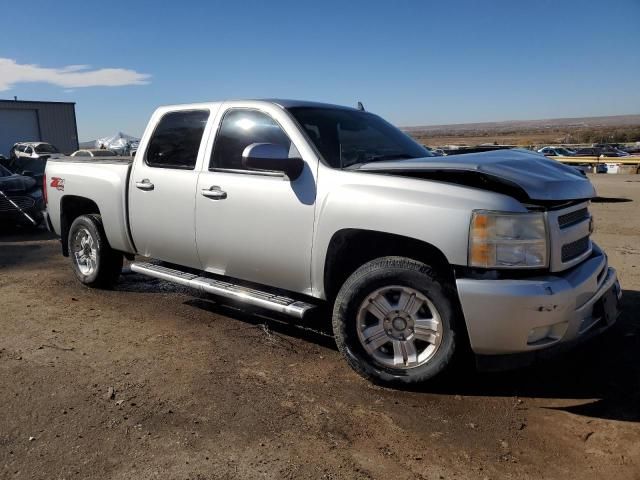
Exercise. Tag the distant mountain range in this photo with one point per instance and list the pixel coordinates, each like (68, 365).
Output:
(515, 125)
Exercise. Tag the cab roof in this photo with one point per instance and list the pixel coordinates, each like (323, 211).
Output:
(281, 102)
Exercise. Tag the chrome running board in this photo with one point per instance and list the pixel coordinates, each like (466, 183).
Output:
(250, 296)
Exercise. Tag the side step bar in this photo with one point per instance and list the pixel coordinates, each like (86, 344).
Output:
(258, 298)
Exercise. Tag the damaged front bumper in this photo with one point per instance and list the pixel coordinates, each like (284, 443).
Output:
(528, 315)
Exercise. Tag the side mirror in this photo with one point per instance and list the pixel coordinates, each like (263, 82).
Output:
(271, 157)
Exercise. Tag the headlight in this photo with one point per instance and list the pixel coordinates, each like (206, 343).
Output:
(508, 240)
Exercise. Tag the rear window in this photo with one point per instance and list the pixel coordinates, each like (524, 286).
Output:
(46, 148)
(176, 139)
(103, 153)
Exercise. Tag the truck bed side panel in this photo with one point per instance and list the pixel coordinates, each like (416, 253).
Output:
(102, 181)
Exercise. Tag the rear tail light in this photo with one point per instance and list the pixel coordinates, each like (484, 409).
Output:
(44, 188)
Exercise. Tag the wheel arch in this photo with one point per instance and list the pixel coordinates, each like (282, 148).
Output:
(351, 248)
(71, 207)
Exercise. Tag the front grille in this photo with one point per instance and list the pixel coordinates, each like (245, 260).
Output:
(575, 249)
(569, 236)
(572, 218)
(22, 202)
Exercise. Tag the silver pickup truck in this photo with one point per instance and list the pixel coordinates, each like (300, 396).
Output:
(290, 205)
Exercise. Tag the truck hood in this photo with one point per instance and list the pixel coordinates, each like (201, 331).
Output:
(515, 172)
(16, 183)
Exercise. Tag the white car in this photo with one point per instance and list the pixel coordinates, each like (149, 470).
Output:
(556, 152)
(31, 157)
(33, 150)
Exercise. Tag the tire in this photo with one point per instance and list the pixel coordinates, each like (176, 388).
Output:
(431, 329)
(94, 262)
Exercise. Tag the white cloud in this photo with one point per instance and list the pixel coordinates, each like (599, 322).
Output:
(71, 76)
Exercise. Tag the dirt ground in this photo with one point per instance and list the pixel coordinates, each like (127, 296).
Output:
(153, 381)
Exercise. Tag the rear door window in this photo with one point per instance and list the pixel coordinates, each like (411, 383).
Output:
(176, 140)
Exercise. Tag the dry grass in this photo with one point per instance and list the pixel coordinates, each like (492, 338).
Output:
(616, 129)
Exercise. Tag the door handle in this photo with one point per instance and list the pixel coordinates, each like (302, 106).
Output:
(145, 184)
(215, 193)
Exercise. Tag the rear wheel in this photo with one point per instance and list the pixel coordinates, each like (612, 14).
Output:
(94, 262)
(394, 321)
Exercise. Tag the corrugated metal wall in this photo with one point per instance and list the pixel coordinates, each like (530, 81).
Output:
(56, 120)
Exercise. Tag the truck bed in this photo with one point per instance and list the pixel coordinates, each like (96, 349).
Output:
(115, 160)
(101, 180)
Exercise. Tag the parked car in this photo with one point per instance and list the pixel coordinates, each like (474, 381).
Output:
(33, 150)
(31, 157)
(600, 152)
(465, 149)
(632, 149)
(556, 152)
(290, 205)
(438, 152)
(611, 150)
(21, 199)
(94, 152)
(614, 152)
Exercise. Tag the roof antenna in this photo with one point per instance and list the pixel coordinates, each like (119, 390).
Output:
(361, 107)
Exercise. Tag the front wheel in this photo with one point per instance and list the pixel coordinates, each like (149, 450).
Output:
(394, 321)
(94, 262)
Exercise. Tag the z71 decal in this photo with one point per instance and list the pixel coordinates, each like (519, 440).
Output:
(57, 183)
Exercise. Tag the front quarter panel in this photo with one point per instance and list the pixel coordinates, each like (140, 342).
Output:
(434, 212)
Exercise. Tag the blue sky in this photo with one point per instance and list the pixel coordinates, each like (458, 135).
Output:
(413, 62)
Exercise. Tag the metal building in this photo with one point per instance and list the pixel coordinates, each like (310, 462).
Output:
(32, 121)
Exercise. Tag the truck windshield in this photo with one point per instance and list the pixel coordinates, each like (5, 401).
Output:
(348, 137)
